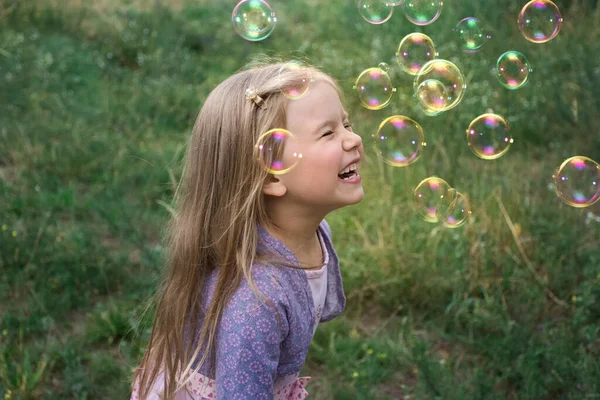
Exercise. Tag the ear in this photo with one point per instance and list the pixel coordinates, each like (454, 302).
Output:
(273, 186)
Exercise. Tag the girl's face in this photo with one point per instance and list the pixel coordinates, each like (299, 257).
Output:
(329, 148)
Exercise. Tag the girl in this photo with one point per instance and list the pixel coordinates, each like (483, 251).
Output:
(251, 266)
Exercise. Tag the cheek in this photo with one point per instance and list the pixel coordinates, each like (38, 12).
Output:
(293, 156)
(327, 155)
(316, 162)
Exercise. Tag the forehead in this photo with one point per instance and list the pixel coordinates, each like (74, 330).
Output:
(322, 102)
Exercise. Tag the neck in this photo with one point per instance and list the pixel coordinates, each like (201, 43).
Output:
(297, 230)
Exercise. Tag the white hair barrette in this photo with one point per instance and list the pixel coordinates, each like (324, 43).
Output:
(251, 94)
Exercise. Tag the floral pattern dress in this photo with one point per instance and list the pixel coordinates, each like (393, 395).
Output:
(260, 355)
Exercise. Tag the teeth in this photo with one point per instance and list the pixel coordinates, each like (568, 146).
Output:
(351, 167)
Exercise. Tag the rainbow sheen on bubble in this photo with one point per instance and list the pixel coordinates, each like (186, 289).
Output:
(471, 34)
(277, 151)
(512, 70)
(414, 51)
(374, 87)
(422, 12)
(429, 195)
(454, 209)
(253, 20)
(539, 21)
(300, 86)
(577, 181)
(432, 96)
(399, 141)
(448, 75)
(489, 136)
(375, 11)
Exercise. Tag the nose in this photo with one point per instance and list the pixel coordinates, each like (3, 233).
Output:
(352, 141)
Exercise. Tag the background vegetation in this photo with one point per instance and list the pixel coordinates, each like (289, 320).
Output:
(98, 99)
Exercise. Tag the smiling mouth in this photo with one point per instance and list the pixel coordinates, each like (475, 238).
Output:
(349, 173)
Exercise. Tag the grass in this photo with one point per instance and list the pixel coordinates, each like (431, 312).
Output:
(99, 98)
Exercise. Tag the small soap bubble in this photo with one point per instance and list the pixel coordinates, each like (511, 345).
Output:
(374, 88)
(471, 34)
(399, 141)
(375, 11)
(253, 20)
(414, 51)
(454, 209)
(577, 181)
(429, 195)
(512, 70)
(277, 151)
(539, 21)
(422, 12)
(394, 3)
(432, 96)
(301, 85)
(489, 136)
(448, 75)
(384, 67)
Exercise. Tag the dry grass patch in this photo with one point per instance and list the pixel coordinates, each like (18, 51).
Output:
(106, 6)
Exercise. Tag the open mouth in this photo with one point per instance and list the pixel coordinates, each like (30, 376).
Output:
(349, 173)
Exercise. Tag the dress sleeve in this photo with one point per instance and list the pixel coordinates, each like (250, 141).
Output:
(326, 228)
(335, 301)
(249, 340)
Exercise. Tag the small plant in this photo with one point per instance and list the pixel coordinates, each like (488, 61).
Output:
(23, 371)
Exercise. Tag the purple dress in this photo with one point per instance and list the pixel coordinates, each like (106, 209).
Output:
(257, 358)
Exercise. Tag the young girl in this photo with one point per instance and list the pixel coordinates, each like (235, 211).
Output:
(251, 268)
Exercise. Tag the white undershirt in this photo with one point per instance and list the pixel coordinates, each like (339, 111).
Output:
(317, 279)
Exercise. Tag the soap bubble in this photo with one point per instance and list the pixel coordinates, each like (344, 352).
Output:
(448, 75)
(432, 96)
(399, 141)
(428, 196)
(471, 34)
(539, 21)
(375, 11)
(374, 87)
(301, 88)
(454, 209)
(422, 12)
(577, 181)
(512, 70)
(277, 151)
(488, 136)
(414, 51)
(253, 20)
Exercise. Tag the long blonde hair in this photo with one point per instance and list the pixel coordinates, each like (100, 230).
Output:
(219, 205)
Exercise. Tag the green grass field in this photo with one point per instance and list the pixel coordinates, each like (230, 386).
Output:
(98, 99)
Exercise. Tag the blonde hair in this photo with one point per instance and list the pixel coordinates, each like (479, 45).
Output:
(219, 205)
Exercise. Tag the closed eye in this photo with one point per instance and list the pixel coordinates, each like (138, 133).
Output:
(347, 125)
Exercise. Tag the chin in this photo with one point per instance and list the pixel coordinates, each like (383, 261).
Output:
(357, 198)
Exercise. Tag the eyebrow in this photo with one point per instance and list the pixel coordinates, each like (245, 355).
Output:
(330, 122)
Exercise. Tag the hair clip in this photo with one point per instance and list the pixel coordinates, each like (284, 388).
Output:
(252, 95)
